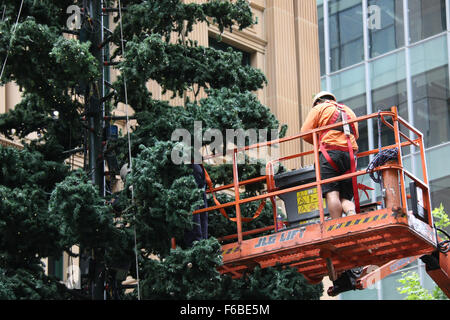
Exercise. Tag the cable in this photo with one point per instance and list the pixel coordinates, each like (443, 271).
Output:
(3, 14)
(444, 246)
(380, 159)
(380, 177)
(129, 145)
(13, 33)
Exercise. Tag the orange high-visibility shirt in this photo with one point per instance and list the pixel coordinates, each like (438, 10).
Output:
(319, 117)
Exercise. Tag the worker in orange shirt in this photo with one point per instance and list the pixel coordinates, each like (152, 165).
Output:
(337, 148)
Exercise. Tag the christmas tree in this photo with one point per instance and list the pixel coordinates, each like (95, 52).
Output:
(46, 208)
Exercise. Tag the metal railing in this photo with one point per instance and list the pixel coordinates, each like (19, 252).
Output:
(272, 192)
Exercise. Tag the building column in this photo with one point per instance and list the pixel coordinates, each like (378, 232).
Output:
(281, 71)
(2, 99)
(308, 61)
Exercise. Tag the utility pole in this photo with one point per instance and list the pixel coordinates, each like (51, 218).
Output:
(92, 31)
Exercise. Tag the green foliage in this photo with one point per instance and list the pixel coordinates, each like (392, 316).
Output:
(153, 58)
(37, 49)
(74, 57)
(165, 195)
(441, 219)
(28, 116)
(411, 281)
(48, 68)
(191, 274)
(6, 287)
(166, 16)
(234, 109)
(220, 226)
(412, 287)
(22, 284)
(49, 12)
(44, 209)
(27, 231)
(278, 283)
(184, 274)
(222, 109)
(85, 220)
(24, 167)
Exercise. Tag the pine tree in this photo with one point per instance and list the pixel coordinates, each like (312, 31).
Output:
(45, 208)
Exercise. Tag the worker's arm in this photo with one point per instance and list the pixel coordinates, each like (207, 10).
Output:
(357, 130)
(309, 124)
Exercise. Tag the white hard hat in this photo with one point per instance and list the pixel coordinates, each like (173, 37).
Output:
(326, 95)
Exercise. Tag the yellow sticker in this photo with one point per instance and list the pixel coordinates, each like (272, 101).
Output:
(307, 201)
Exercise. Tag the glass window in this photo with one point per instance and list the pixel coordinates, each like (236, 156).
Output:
(391, 283)
(440, 189)
(426, 18)
(388, 90)
(385, 24)
(358, 105)
(323, 83)
(321, 37)
(428, 55)
(55, 266)
(435, 169)
(346, 33)
(430, 90)
(220, 45)
(370, 293)
(349, 83)
(349, 86)
(384, 98)
(431, 105)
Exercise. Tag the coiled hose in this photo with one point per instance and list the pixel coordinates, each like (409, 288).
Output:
(380, 159)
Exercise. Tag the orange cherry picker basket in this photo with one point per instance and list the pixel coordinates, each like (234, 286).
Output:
(381, 233)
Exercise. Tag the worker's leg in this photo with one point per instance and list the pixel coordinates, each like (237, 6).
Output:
(337, 193)
(334, 204)
(346, 193)
(348, 207)
(330, 191)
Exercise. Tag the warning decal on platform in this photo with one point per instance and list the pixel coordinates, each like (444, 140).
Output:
(307, 201)
(358, 221)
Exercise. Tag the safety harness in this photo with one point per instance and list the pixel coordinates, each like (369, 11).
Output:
(340, 115)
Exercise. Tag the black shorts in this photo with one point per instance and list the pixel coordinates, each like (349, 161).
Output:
(342, 160)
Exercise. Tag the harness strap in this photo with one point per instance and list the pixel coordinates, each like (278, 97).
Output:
(323, 148)
(354, 178)
(222, 210)
(364, 188)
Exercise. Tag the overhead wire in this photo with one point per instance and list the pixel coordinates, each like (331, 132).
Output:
(130, 167)
(3, 14)
(12, 37)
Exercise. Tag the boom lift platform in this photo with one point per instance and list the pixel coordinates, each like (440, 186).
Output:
(380, 235)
